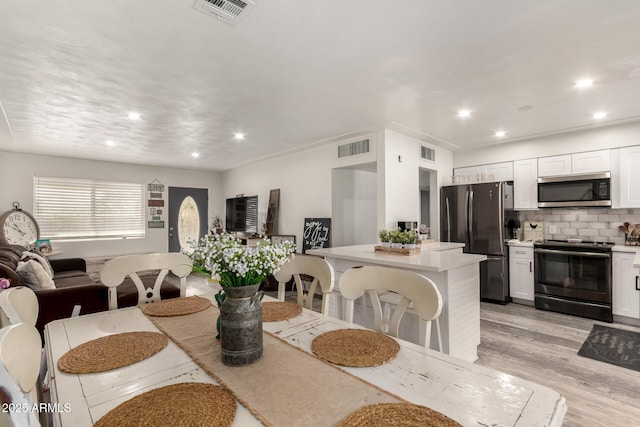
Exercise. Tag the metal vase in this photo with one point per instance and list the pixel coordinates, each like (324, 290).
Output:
(241, 325)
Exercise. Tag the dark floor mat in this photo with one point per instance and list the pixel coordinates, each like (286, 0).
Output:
(615, 346)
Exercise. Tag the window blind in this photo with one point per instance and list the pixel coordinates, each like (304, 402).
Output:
(86, 209)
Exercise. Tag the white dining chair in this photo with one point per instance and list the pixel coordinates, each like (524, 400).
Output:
(19, 305)
(19, 369)
(116, 270)
(318, 268)
(410, 288)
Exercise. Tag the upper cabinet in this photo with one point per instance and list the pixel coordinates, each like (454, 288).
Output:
(591, 161)
(556, 165)
(587, 162)
(525, 184)
(629, 177)
(490, 172)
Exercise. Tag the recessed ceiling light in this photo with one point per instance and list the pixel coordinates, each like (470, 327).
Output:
(584, 83)
(195, 155)
(500, 133)
(599, 115)
(464, 113)
(238, 136)
(134, 116)
(110, 143)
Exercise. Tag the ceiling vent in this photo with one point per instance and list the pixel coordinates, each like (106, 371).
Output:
(353, 148)
(226, 10)
(427, 153)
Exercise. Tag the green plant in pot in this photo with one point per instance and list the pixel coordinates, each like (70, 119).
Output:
(385, 238)
(410, 239)
(240, 270)
(397, 239)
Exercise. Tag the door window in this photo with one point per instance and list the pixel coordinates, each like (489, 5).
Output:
(188, 222)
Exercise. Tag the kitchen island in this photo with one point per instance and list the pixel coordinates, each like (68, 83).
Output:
(456, 274)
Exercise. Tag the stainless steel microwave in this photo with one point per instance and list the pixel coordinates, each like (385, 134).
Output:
(575, 190)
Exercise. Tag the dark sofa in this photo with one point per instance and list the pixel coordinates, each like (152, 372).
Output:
(73, 286)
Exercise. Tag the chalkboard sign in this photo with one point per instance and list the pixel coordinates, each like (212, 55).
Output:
(317, 233)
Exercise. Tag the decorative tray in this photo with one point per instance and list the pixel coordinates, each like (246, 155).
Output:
(398, 251)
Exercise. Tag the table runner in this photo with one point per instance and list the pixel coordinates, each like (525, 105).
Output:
(286, 387)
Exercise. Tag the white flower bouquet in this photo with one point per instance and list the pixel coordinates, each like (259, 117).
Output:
(225, 258)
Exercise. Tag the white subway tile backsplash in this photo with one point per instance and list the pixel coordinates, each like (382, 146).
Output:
(599, 224)
(611, 233)
(608, 217)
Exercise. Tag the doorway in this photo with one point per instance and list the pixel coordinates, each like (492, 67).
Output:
(428, 197)
(188, 214)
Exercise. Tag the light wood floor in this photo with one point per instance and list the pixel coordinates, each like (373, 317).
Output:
(542, 347)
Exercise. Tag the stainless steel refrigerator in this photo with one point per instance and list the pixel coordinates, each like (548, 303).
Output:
(477, 215)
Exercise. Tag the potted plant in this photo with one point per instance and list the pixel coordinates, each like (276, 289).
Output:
(385, 238)
(397, 239)
(410, 239)
(240, 270)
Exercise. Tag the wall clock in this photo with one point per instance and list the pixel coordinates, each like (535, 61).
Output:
(18, 227)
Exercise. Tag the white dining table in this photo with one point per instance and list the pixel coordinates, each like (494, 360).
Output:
(470, 394)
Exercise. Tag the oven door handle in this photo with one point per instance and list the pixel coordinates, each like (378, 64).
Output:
(585, 254)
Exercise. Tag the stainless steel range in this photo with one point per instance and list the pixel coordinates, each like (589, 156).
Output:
(574, 278)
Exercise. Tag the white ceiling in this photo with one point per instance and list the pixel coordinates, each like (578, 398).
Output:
(298, 72)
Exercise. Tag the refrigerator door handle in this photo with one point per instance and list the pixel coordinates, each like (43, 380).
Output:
(448, 219)
(470, 216)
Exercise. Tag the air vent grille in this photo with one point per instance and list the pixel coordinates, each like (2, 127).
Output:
(427, 153)
(227, 10)
(353, 148)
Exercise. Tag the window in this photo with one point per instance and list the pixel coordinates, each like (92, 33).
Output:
(86, 209)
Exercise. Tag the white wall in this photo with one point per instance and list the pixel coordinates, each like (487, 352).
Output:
(401, 176)
(574, 142)
(16, 184)
(304, 180)
(354, 206)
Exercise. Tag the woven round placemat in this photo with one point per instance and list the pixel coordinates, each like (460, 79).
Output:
(184, 404)
(355, 347)
(275, 311)
(397, 414)
(175, 306)
(111, 352)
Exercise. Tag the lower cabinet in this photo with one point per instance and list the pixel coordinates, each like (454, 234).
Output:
(521, 274)
(626, 285)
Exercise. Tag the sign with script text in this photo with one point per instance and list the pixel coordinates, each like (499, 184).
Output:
(317, 233)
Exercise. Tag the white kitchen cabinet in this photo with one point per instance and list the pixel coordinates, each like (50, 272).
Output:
(521, 280)
(555, 165)
(498, 171)
(629, 177)
(576, 163)
(525, 184)
(468, 170)
(626, 278)
(591, 162)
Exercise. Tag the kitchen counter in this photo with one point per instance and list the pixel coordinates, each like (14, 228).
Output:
(456, 274)
(523, 243)
(437, 258)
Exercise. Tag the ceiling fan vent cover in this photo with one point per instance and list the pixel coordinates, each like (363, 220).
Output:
(226, 10)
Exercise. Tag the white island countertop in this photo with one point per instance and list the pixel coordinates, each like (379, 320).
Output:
(437, 258)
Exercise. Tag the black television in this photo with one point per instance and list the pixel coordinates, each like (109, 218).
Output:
(242, 214)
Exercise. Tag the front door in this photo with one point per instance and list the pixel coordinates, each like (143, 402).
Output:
(188, 213)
